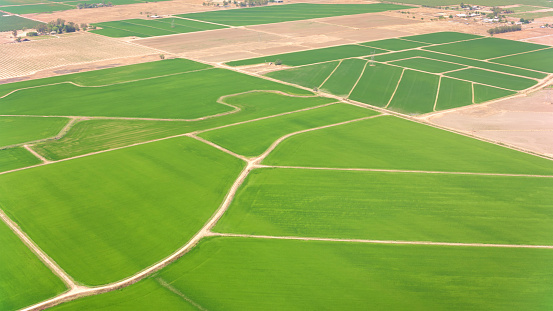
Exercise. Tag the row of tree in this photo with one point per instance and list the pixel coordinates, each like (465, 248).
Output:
(85, 5)
(245, 3)
(59, 26)
(502, 29)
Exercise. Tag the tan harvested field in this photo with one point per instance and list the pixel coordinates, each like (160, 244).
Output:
(369, 20)
(525, 121)
(534, 35)
(26, 58)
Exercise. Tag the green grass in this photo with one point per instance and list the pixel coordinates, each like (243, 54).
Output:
(394, 44)
(428, 65)
(545, 3)
(524, 8)
(344, 78)
(25, 279)
(107, 216)
(416, 93)
(148, 28)
(8, 23)
(532, 15)
(95, 135)
(253, 138)
(284, 13)
(460, 60)
(16, 157)
(131, 27)
(376, 85)
(493, 78)
(16, 130)
(18, 2)
(442, 37)
(539, 60)
(486, 48)
(483, 93)
(393, 206)
(233, 274)
(392, 143)
(145, 295)
(311, 76)
(38, 8)
(186, 96)
(310, 56)
(453, 93)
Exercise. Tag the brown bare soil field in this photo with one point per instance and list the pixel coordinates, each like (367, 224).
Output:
(26, 58)
(368, 20)
(299, 28)
(120, 12)
(524, 121)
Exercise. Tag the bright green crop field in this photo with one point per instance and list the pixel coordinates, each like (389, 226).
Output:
(16, 157)
(428, 65)
(539, 60)
(391, 143)
(453, 93)
(394, 44)
(389, 206)
(483, 93)
(253, 138)
(289, 12)
(311, 76)
(16, 130)
(344, 78)
(416, 93)
(493, 78)
(148, 28)
(442, 37)
(232, 274)
(38, 8)
(376, 85)
(25, 279)
(140, 204)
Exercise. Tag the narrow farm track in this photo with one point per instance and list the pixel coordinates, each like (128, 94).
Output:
(41, 158)
(380, 241)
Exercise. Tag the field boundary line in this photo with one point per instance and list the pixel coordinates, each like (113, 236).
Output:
(358, 78)
(201, 21)
(399, 171)
(46, 260)
(237, 235)
(37, 155)
(170, 31)
(472, 89)
(335, 68)
(437, 93)
(177, 292)
(488, 59)
(61, 133)
(395, 90)
(223, 149)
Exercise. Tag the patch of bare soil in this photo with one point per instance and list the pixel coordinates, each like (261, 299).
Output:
(525, 121)
(368, 20)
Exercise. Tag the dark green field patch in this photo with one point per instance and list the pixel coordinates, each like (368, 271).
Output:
(394, 44)
(442, 37)
(493, 78)
(538, 60)
(377, 85)
(311, 76)
(38, 8)
(16, 157)
(16, 130)
(426, 64)
(416, 93)
(344, 78)
(12, 22)
(453, 93)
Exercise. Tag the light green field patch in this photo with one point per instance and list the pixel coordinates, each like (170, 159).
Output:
(105, 217)
(391, 143)
(187, 96)
(344, 78)
(253, 138)
(538, 60)
(95, 135)
(377, 85)
(311, 56)
(148, 294)
(389, 206)
(12, 22)
(442, 37)
(453, 93)
(38, 8)
(428, 65)
(486, 48)
(311, 76)
(483, 93)
(16, 130)
(394, 44)
(493, 78)
(232, 274)
(16, 157)
(416, 93)
(25, 279)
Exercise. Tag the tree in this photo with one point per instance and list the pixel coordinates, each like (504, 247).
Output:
(14, 33)
(278, 62)
(84, 26)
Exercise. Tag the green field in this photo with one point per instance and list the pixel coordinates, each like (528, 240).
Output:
(311, 56)
(232, 274)
(539, 60)
(8, 23)
(416, 93)
(533, 15)
(493, 78)
(148, 28)
(442, 37)
(391, 143)
(376, 85)
(16, 157)
(428, 65)
(25, 279)
(394, 44)
(543, 3)
(38, 8)
(19, 2)
(253, 138)
(311, 76)
(186, 96)
(95, 135)
(389, 206)
(483, 93)
(486, 48)
(16, 130)
(139, 204)
(453, 93)
(289, 12)
(344, 78)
